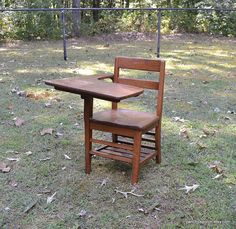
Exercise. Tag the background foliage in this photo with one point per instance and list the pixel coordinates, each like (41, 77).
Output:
(47, 25)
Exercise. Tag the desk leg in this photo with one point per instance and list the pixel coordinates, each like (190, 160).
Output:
(88, 112)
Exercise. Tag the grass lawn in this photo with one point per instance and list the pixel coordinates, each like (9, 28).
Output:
(199, 138)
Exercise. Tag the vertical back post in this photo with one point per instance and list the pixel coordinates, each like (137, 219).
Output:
(158, 33)
(64, 33)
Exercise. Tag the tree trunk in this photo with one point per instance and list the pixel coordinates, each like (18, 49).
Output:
(127, 4)
(76, 14)
(96, 4)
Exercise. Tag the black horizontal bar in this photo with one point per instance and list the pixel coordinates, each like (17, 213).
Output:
(115, 9)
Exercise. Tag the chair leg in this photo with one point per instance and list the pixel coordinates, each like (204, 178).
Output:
(114, 137)
(88, 110)
(158, 143)
(136, 157)
(88, 147)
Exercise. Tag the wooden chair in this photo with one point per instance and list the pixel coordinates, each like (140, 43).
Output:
(126, 125)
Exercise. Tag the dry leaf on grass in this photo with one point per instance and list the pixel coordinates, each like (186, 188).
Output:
(28, 153)
(209, 132)
(19, 122)
(38, 95)
(67, 157)
(178, 119)
(82, 213)
(215, 167)
(154, 207)
(125, 194)
(13, 159)
(45, 159)
(184, 133)
(217, 176)
(51, 198)
(4, 168)
(48, 104)
(58, 135)
(231, 112)
(104, 182)
(201, 146)
(230, 179)
(46, 131)
(30, 206)
(13, 184)
(189, 188)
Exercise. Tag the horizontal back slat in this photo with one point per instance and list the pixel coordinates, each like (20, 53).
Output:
(147, 84)
(138, 64)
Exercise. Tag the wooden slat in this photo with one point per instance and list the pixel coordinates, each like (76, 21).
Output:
(150, 133)
(122, 155)
(138, 63)
(151, 155)
(147, 84)
(143, 139)
(114, 130)
(148, 140)
(111, 156)
(143, 146)
(103, 142)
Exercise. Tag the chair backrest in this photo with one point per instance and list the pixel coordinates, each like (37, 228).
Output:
(149, 65)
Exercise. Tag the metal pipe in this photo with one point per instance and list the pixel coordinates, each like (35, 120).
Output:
(64, 33)
(116, 9)
(158, 33)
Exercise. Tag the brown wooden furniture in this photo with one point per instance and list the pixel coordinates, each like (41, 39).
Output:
(134, 125)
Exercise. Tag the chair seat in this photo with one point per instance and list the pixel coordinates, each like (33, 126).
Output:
(126, 118)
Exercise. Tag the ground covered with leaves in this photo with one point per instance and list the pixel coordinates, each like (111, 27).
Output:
(42, 178)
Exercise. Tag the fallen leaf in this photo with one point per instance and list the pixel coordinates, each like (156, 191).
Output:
(184, 133)
(10, 107)
(153, 207)
(201, 146)
(21, 93)
(104, 182)
(77, 124)
(45, 159)
(209, 132)
(15, 89)
(230, 179)
(125, 194)
(51, 198)
(46, 131)
(38, 95)
(13, 184)
(28, 153)
(231, 112)
(82, 213)
(203, 136)
(30, 206)
(19, 122)
(226, 117)
(217, 176)
(67, 157)
(4, 168)
(215, 167)
(217, 110)
(189, 188)
(48, 104)
(178, 119)
(13, 159)
(58, 134)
